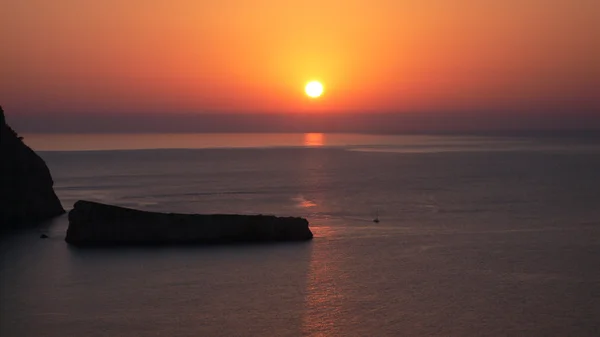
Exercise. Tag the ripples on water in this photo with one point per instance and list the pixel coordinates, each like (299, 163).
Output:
(471, 243)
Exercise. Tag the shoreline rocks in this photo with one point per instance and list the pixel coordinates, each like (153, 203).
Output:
(26, 187)
(93, 224)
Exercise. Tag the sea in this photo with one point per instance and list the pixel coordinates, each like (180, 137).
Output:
(477, 236)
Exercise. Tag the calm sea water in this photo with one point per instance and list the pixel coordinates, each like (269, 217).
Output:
(478, 237)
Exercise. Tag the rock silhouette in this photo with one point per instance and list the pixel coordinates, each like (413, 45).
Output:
(26, 193)
(92, 223)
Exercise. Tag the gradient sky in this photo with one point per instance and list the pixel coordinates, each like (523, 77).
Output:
(428, 57)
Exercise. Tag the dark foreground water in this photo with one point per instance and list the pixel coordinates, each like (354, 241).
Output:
(478, 237)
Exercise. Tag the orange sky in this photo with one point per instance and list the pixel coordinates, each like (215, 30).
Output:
(255, 56)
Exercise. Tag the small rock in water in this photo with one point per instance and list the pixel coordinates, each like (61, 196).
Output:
(43, 236)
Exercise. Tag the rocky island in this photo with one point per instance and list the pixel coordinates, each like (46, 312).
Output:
(26, 187)
(92, 224)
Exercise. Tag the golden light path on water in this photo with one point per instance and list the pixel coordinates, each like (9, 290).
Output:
(314, 139)
(322, 310)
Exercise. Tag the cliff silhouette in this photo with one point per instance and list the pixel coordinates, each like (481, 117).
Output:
(26, 187)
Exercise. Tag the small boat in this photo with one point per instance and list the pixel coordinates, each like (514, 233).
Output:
(376, 220)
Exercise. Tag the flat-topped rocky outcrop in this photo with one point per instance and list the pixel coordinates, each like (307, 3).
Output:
(26, 187)
(92, 224)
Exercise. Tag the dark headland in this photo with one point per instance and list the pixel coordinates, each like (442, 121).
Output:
(26, 187)
(93, 224)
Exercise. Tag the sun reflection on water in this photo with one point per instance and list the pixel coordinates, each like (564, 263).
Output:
(314, 139)
(325, 298)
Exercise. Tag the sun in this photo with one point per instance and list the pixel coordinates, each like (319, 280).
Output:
(314, 89)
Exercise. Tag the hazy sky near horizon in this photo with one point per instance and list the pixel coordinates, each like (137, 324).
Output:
(513, 57)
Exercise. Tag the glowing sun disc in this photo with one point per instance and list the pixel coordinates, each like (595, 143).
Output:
(314, 89)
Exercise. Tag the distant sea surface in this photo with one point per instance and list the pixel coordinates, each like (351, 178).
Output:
(479, 236)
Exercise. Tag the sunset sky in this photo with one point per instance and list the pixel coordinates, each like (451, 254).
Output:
(512, 59)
